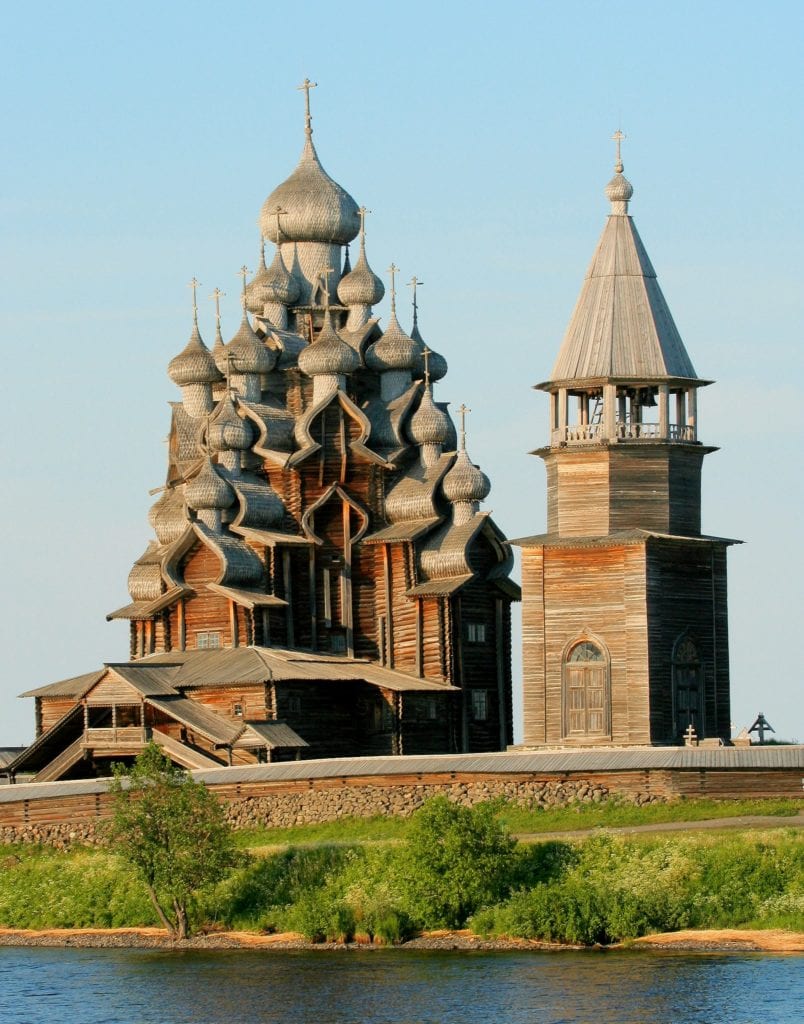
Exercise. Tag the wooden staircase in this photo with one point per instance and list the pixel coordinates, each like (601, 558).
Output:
(62, 762)
(179, 752)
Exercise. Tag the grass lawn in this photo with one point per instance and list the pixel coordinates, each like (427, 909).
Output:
(612, 813)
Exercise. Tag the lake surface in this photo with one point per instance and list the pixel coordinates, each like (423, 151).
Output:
(82, 986)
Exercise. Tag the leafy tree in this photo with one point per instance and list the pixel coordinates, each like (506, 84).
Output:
(172, 831)
(458, 859)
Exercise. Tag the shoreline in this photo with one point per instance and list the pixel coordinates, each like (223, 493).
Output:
(725, 940)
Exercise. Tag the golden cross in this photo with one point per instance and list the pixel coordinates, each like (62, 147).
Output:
(426, 353)
(307, 85)
(216, 295)
(392, 270)
(243, 272)
(194, 285)
(618, 137)
(462, 411)
(362, 215)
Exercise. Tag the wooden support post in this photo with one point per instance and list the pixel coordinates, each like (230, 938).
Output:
(288, 591)
(499, 620)
(233, 624)
(389, 611)
(419, 638)
(347, 612)
(664, 412)
(681, 411)
(181, 613)
(311, 604)
(562, 412)
(692, 415)
(609, 411)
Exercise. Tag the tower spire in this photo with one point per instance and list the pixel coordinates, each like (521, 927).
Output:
(307, 85)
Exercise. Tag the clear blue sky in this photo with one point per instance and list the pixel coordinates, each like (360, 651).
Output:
(141, 139)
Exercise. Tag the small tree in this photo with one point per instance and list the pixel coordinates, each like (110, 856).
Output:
(172, 830)
(457, 860)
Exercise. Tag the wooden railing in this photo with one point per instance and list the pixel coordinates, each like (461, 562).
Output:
(111, 737)
(584, 433)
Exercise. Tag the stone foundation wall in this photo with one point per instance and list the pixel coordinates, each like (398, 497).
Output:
(308, 806)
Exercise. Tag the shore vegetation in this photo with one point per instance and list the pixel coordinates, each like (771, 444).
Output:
(445, 867)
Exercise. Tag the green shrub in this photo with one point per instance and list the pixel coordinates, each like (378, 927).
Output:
(454, 861)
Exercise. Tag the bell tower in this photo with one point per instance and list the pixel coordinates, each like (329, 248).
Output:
(624, 600)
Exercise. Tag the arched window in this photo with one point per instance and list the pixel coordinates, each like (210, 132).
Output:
(688, 703)
(586, 692)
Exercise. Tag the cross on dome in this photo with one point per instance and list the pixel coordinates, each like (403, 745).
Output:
(415, 283)
(194, 286)
(462, 411)
(618, 137)
(426, 353)
(216, 296)
(307, 85)
(243, 272)
(393, 270)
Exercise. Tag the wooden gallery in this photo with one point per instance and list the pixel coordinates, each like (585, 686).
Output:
(321, 581)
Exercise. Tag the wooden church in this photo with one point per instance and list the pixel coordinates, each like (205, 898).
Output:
(625, 633)
(321, 581)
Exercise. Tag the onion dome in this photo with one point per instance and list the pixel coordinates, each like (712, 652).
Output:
(465, 481)
(209, 490)
(619, 190)
(429, 424)
(227, 431)
(361, 286)
(271, 284)
(145, 578)
(167, 516)
(219, 348)
(314, 208)
(194, 364)
(329, 353)
(437, 364)
(395, 350)
(246, 353)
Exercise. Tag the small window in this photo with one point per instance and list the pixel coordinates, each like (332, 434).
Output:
(207, 639)
(294, 703)
(337, 643)
(476, 632)
(237, 710)
(480, 705)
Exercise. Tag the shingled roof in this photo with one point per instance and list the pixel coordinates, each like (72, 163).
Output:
(621, 328)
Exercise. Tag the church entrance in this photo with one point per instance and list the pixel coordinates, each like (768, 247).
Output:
(687, 688)
(586, 698)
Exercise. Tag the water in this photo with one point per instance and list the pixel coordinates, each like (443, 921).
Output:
(81, 986)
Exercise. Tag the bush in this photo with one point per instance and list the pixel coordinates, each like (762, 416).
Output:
(454, 861)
